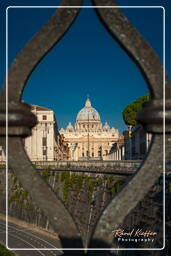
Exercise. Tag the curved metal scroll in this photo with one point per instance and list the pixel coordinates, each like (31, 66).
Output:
(151, 117)
(20, 120)
(19, 126)
(145, 58)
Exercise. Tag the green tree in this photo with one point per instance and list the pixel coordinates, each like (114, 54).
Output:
(130, 112)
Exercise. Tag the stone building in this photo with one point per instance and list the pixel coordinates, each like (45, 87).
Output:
(42, 144)
(117, 151)
(137, 142)
(62, 148)
(45, 143)
(88, 139)
(2, 155)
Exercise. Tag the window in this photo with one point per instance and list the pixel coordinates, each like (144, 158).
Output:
(44, 141)
(83, 154)
(99, 153)
(44, 152)
(92, 154)
(44, 117)
(46, 127)
(106, 152)
(0, 152)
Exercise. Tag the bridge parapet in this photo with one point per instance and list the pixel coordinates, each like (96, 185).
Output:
(92, 164)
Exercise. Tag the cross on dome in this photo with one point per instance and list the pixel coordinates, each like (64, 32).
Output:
(88, 103)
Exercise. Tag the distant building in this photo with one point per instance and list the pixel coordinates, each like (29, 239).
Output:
(42, 144)
(62, 148)
(45, 143)
(2, 155)
(117, 151)
(88, 139)
(137, 142)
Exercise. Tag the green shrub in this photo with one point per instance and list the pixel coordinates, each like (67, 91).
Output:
(169, 186)
(46, 174)
(5, 252)
(57, 177)
(99, 181)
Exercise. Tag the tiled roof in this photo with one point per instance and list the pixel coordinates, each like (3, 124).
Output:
(39, 108)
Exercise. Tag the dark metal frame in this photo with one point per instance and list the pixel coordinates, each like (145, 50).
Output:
(21, 120)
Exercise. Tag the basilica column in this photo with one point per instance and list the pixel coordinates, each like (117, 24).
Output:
(123, 152)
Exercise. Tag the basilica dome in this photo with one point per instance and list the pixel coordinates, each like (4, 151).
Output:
(88, 113)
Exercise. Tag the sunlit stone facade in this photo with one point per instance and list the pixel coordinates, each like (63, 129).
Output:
(2, 155)
(89, 139)
(137, 142)
(42, 144)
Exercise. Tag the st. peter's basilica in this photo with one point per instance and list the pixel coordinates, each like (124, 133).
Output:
(88, 139)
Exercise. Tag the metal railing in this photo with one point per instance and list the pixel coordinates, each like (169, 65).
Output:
(21, 120)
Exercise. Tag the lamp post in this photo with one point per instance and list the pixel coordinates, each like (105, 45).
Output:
(130, 141)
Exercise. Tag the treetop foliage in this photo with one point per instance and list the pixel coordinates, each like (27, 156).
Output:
(130, 111)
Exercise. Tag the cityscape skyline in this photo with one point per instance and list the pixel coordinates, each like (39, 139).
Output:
(75, 117)
(74, 122)
(86, 61)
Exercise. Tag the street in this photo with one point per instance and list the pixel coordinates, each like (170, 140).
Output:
(21, 237)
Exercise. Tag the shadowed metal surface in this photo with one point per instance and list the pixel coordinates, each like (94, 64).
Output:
(146, 59)
(151, 117)
(132, 193)
(40, 191)
(130, 39)
(38, 47)
(20, 120)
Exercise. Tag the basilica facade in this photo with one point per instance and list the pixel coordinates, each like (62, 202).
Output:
(88, 139)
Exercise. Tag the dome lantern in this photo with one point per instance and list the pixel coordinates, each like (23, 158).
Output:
(88, 103)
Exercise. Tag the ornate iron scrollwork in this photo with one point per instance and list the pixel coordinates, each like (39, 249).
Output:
(21, 120)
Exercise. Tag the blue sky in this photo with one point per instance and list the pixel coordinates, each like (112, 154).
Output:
(86, 61)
